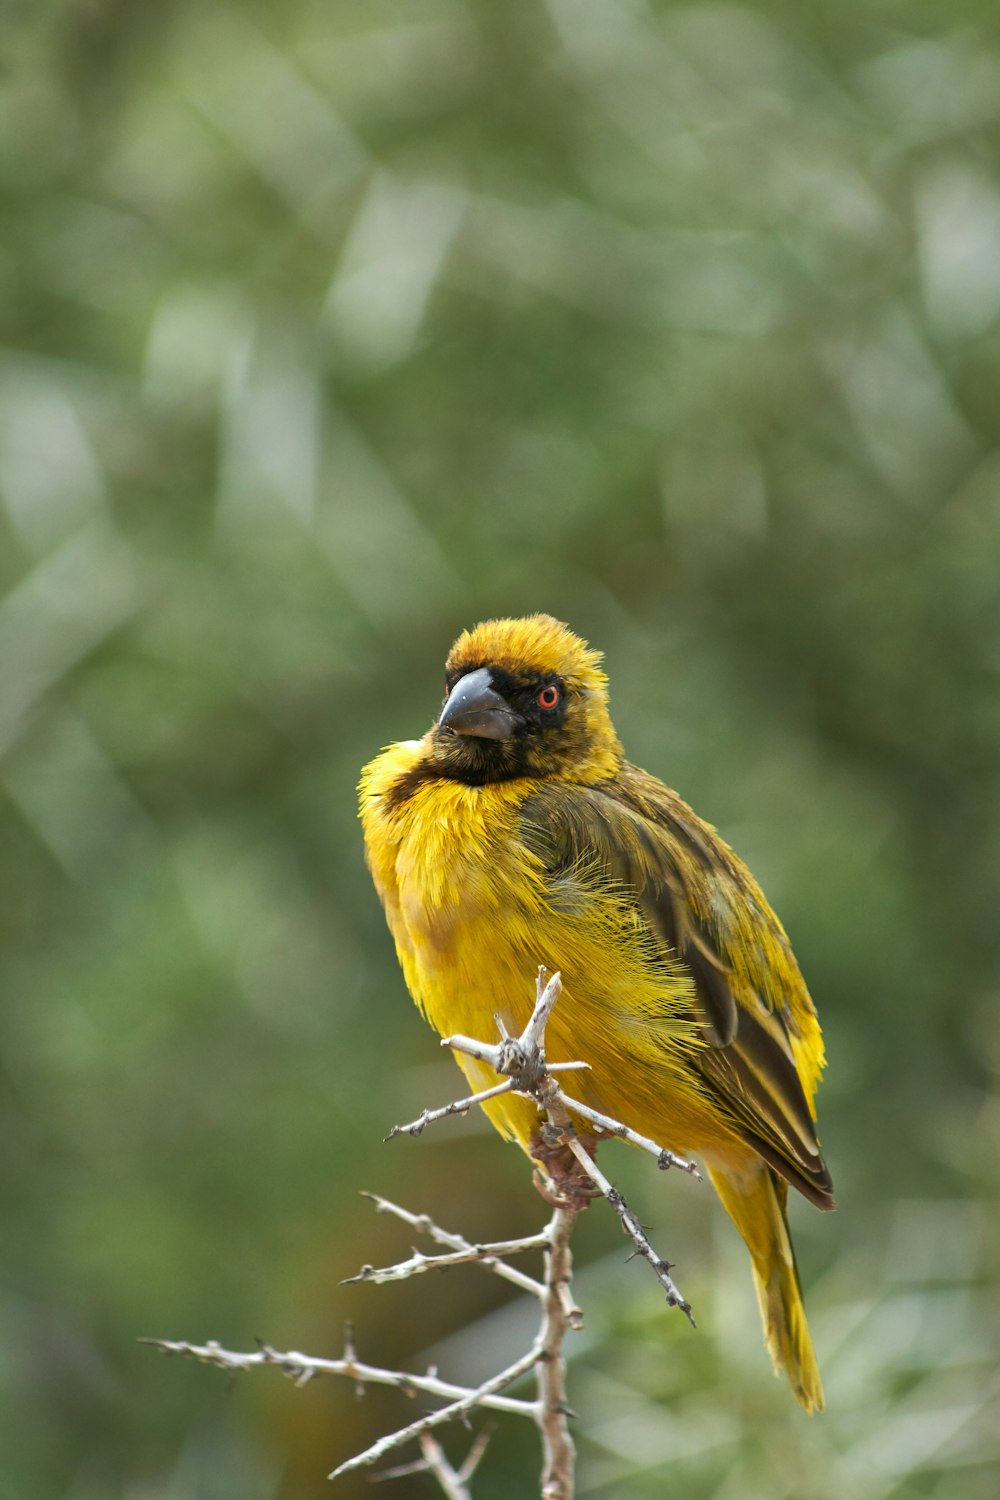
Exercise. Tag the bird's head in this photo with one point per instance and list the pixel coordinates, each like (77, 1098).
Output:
(524, 698)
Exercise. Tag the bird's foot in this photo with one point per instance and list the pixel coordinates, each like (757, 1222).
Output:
(565, 1183)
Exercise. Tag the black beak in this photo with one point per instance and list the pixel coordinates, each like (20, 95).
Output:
(474, 708)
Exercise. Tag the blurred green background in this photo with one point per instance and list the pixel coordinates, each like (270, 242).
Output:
(329, 329)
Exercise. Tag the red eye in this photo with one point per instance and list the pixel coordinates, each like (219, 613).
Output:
(549, 696)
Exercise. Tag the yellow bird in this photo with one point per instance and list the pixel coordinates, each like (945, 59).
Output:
(515, 833)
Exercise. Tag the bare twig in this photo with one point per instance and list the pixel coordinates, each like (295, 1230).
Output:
(301, 1368)
(607, 1126)
(484, 1254)
(462, 1107)
(632, 1228)
(435, 1461)
(523, 1060)
(457, 1107)
(484, 1395)
(475, 1453)
(520, 1061)
(520, 1058)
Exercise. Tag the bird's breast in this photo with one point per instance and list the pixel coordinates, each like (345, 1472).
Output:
(463, 896)
(459, 862)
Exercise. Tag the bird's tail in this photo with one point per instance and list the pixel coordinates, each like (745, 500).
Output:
(756, 1205)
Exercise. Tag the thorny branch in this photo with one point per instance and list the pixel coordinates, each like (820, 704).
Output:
(486, 1255)
(523, 1059)
(301, 1368)
(521, 1062)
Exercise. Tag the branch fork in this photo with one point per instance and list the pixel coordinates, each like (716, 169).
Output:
(522, 1060)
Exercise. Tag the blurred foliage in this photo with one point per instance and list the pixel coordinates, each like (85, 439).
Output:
(331, 328)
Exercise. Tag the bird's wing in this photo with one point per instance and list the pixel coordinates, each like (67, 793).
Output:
(701, 905)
